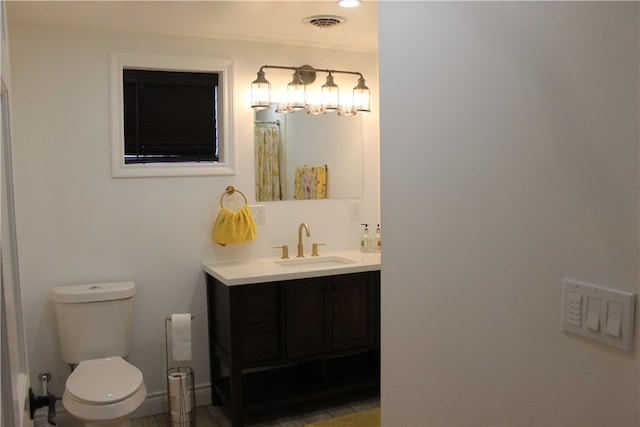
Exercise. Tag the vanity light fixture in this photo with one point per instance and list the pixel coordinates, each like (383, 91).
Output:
(297, 92)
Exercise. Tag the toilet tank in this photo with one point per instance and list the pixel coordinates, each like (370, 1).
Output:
(94, 320)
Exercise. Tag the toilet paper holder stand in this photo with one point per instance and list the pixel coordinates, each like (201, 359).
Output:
(181, 396)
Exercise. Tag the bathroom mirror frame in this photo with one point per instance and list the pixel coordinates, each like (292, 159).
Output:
(307, 139)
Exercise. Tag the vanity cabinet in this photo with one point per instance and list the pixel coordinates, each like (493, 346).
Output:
(288, 341)
(328, 314)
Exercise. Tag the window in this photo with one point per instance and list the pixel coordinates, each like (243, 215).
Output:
(170, 116)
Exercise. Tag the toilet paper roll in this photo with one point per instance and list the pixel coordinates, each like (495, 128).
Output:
(183, 420)
(181, 406)
(179, 396)
(181, 336)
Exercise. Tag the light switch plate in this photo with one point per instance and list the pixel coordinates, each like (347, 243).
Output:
(602, 314)
(259, 213)
(354, 209)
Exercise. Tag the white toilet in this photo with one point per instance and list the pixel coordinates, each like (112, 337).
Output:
(94, 326)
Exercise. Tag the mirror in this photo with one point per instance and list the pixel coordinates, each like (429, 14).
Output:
(304, 142)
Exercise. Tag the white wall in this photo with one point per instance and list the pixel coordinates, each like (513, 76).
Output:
(509, 147)
(78, 225)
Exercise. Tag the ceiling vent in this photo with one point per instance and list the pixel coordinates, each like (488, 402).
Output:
(324, 21)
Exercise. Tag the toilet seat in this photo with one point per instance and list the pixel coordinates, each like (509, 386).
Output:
(104, 381)
(104, 389)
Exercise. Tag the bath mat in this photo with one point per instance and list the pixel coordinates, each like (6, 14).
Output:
(370, 418)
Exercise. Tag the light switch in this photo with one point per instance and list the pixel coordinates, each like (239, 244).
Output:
(593, 313)
(614, 319)
(574, 309)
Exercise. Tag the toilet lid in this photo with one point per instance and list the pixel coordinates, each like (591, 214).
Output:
(107, 380)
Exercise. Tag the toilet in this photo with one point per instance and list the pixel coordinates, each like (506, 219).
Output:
(95, 327)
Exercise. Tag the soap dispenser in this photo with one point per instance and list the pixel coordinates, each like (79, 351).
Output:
(377, 240)
(365, 241)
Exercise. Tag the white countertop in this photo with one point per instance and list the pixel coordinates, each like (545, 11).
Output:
(260, 270)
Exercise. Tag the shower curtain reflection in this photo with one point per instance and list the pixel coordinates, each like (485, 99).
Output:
(267, 157)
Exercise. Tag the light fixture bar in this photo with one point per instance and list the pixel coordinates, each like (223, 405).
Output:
(309, 68)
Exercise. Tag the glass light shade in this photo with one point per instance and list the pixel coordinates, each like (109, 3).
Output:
(329, 94)
(346, 110)
(282, 108)
(315, 109)
(260, 92)
(296, 93)
(361, 101)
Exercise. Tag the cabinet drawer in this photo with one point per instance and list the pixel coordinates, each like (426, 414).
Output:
(257, 312)
(258, 352)
(259, 293)
(258, 303)
(259, 332)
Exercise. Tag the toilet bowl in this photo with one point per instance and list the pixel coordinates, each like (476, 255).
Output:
(104, 392)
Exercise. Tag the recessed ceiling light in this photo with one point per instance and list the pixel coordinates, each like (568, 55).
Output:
(349, 3)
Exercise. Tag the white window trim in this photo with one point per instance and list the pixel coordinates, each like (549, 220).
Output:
(226, 152)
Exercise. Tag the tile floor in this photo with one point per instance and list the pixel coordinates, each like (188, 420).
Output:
(292, 416)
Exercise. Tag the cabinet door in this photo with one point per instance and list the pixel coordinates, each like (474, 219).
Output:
(307, 321)
(353, 298)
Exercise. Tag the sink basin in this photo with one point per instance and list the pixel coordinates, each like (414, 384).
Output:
(314, 262)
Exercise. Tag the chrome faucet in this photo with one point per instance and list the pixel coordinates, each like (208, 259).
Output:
(300, 246)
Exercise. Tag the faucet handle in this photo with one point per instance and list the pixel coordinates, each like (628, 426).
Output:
(285, 251)
(314, 248)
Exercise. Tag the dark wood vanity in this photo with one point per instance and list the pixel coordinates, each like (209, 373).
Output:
(289, 341)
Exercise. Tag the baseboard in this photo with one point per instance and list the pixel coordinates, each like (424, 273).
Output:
(155, 403)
